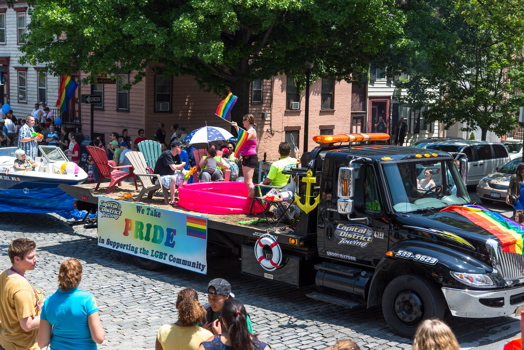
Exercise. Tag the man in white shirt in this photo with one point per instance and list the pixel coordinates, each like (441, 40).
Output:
(11, 128)
(36, 112)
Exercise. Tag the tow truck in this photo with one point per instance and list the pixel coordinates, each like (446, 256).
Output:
(369, 236)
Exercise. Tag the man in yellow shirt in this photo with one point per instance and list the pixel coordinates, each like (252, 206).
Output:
(20, 302)
(286, 162)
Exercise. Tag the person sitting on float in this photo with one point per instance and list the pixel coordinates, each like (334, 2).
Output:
(23, 162)
(211, 166)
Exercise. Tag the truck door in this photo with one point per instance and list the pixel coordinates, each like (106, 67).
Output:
(363, 235)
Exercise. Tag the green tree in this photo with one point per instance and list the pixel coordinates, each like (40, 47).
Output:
(464, 58)
(224, 44)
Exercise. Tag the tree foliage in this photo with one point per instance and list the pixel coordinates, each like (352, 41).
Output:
(224, 44)
(465, 62)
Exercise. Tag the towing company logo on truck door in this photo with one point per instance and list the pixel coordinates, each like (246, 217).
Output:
(355, 235)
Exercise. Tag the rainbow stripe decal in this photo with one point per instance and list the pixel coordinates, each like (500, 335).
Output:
(196, 227)
(241, 141)
(507, 231)
(226, 105)
(65, 92)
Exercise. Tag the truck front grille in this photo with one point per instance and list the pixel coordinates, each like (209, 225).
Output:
(510, 265)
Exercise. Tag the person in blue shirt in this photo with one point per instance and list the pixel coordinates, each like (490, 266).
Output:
(52, 136)
(69, 318)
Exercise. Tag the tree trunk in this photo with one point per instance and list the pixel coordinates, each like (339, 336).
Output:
(483, 134)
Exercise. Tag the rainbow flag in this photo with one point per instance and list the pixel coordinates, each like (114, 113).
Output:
(65, 91)
(196, 227)
(226, 105)
(507, 231)
(241, 141)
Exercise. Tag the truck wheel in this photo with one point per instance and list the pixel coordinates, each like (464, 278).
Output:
(408, 300)
(147, 264)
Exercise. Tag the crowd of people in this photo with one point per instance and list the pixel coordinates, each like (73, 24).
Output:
(69, 318)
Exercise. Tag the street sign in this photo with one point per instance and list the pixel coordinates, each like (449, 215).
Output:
(91, 99)
(103, 79)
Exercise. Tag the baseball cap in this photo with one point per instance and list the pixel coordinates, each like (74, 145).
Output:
(114, 143)
(122, 144)
(176, 143)
(220, 286)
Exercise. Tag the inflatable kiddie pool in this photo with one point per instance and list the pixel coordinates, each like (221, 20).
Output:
(223, 197)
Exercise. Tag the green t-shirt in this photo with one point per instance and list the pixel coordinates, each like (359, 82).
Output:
(116, 155)
(275, 172)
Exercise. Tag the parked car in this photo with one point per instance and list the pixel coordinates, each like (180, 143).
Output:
(483, 157)
(494, 186)
(514, 149)
(421, 143)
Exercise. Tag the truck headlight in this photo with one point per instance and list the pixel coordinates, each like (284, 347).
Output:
(473, 279)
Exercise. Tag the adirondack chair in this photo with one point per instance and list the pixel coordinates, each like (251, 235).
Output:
(138, 162)
(198, 154)
(109, 170)
(151, 151)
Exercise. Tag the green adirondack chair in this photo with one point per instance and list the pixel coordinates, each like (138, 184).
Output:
(151, 151)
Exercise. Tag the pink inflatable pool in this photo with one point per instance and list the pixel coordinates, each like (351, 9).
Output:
(224, 197)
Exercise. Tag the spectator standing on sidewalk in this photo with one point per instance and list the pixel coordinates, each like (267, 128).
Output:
(219, 290)
(20, 302)
(236, 335)
(433, 334)
(70, 319)
(184, 334)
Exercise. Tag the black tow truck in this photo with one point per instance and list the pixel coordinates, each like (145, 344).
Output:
(368, 236)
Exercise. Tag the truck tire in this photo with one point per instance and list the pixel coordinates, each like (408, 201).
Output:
(408, 300)
(147, 264)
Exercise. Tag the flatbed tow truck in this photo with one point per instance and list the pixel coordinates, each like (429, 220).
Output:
(366, 236)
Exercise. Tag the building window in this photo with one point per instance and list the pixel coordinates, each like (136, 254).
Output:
(376, 73)
(163, 88)
(42, 87)
(326, 131)
(22, 86)
(122, 95)
(20, 25)
(328, 87)
(256, 91)
(98, 90)
(2, 28)
(291, 137)
(292, 95)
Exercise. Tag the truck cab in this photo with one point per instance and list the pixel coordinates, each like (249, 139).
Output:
(419, 252)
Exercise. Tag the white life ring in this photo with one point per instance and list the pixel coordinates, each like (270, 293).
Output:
(276, 252)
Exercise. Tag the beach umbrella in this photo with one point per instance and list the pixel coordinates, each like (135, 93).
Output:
(207, 134)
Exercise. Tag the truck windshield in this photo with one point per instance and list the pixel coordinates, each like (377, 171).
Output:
(424, 184)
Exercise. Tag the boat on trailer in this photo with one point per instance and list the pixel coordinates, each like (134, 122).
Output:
(37, 191)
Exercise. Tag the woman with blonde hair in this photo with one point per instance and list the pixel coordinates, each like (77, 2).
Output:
(433, 334)
(184, 334)
(249, 151)
(69, 318)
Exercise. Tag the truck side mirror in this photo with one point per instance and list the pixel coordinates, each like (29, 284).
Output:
(344, 206)
(346, 190)
(346, 183)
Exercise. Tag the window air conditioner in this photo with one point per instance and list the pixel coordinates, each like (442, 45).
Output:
(163, 107)
(295, 105)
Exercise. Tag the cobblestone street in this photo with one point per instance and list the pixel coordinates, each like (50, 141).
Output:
(134, 302)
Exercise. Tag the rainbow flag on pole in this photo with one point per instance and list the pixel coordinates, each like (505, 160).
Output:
(226, 105)
(241, 141)
(65, 92)
(507, 231)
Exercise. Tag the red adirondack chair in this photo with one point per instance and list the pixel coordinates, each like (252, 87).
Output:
(109, 170)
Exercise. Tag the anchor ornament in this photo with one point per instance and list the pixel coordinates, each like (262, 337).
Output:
(306, 207)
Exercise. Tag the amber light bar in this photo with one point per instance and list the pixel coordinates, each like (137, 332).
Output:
(350, 138)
